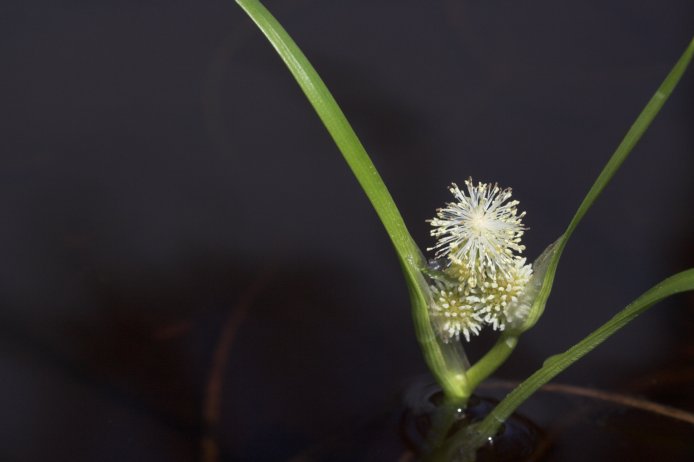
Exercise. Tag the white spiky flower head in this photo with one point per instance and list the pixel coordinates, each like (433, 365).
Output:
(502, 302)
(485, 280)
(452, 314)
(482, 230)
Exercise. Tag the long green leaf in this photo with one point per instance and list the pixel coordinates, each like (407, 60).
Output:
(339, 128)
(639, 127)
(442, 364)
(479, 434)
(508, 341)
(549, 260)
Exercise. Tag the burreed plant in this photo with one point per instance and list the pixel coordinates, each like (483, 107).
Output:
(476, 276)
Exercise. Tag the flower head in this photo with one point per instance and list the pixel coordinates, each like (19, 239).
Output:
(485, 281)
(501, 302)
(452, 314)
(482, 230)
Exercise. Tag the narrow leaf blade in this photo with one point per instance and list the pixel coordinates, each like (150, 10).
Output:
(447, 371)
(639, 127)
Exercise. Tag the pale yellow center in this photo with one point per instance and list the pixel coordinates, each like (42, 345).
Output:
(479, 223)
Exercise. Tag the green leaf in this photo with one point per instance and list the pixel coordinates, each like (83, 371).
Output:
(639, 127)
(478, 435)
(545, 267)
(439, 357)
(339, 128)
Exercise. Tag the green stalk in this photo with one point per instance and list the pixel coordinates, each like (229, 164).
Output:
(494, 358)
(443, 364)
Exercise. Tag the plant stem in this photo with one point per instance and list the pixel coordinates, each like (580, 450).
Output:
(494, 358)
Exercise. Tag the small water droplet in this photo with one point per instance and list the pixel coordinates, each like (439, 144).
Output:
(437, 264)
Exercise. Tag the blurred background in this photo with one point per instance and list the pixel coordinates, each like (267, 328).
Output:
(189, 271)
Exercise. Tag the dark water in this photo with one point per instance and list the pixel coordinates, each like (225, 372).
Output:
(518, 438)
(188, 271)
(567, 426)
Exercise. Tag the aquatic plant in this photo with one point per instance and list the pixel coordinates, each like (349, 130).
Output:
(480, 277)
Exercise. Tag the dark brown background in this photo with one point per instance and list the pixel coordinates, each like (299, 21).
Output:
(163, 181)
